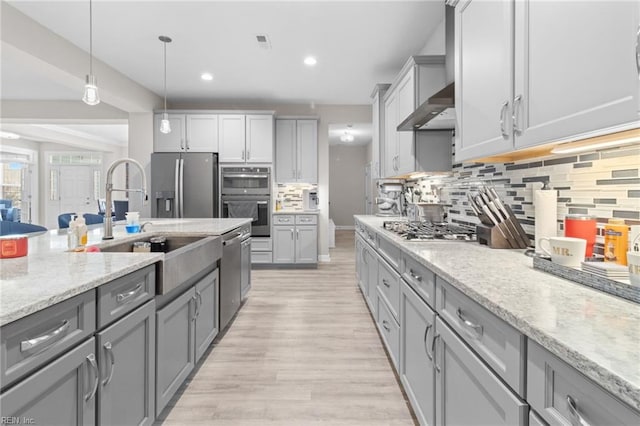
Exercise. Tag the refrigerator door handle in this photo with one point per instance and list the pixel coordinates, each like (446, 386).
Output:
(176, 212)
(182, 187)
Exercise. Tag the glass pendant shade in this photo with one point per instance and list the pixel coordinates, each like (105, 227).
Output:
(91, 95)
(165, 127)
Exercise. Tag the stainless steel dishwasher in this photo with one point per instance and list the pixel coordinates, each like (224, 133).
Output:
(231, 273)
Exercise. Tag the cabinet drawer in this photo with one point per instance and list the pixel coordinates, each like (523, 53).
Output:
(261, 257)
(389, 285)
(261, 244)
(283, 219)
(124, 294)
(421, 279)
(389, 329)
(552, 383)
(501, 346)
(306, 219)
(390, 251)
(30, 342)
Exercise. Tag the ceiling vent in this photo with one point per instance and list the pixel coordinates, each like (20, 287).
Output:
(263, 41)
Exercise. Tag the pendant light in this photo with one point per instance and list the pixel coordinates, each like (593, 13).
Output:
(91, 95)
(165, 127)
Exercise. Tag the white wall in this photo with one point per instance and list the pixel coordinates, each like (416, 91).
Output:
(140, 148)
(435, 42)
(346, 183)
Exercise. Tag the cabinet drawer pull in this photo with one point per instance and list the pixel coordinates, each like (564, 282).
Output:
(576, 418)
(414, 275)
(126, 297)
(503, 112)
(284, 219)
(109, 349)
(292, 234)
(385, 325)
(96, 376)
(475, 327)
(28, 345)
(386, 283)
(516, 115)
(426, 346)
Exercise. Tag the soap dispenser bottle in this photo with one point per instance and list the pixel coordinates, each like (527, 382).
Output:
(72, 233)
(81, 231)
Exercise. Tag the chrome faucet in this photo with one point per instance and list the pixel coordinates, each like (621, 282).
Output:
(108, 224)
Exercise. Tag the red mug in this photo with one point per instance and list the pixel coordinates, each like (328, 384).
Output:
(581, 226)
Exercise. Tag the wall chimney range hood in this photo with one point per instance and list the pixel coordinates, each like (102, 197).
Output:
(438, 112)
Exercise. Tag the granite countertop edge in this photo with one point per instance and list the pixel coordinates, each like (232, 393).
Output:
(616, 384)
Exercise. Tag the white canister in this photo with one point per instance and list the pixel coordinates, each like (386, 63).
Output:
(545, 202)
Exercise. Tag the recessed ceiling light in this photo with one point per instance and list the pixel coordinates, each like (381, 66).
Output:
(310, 60)
(9, 135)
(206, 76)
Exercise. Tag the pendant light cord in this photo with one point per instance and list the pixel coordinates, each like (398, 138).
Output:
(90, 37)
(165, 76)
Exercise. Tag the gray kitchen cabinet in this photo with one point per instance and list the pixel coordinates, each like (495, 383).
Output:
(417, 326)
(377, 130)
(389, 329)
(231, 138)
(371, 264)
(535, 420)
(126, 357)
(388, 283)
(467, 392)
(261, 250)
(419, 278)
(525, 74)
(175, 337)
(189, 132)
(563, 396)
(390, 145)
(295, 243)
(62, 393)
(124, 294)
(207, 292)
(245, 267)
(258, 138)
(296, 151)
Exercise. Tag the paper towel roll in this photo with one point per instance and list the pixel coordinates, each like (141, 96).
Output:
(545, 202)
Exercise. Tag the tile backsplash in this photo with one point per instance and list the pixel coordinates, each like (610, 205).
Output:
(291, 195)
(605, 184)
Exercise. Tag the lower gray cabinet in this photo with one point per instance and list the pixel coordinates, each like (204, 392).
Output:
(245, 267)
(295, 239)
(62, 393)
(417, 327)
(389, 329)
(467, 391)
(207, 292)
(175, 347)
(306, 244)
(127, 369)
(371, 265)
(284, 249)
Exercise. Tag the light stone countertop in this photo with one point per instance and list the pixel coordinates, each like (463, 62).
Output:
(296, 212)
(596, 333)
(50, 274)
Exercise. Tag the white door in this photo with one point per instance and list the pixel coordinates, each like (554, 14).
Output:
(231, 138)
(259, 138)
(75, 193)
(484, 77)
(573, 75)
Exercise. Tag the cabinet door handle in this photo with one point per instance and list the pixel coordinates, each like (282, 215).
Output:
(109, 349)
(96, 376)
(386, 283)
(248, 154)
(638, 51)
(503, 112)
(576, 418)
(294, 173)
(127, 297)
(433, 351)
(414, 275)
(516, 114)
(297, 234)
(198, 303)
(47, 339)
(475, 327)
(243, 154)
(426, 347)
(187, 144)
(385, 325)
(291, 233)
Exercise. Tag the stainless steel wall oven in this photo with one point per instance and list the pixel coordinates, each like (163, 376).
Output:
(246, 192)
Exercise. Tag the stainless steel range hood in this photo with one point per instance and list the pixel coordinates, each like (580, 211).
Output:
(438, 112)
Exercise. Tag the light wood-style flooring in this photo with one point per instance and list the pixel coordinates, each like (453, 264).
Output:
(303, 350)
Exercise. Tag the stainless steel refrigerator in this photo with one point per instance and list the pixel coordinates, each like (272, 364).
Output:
(184, 184)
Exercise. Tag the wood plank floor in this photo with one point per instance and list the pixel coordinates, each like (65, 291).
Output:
(303, 350)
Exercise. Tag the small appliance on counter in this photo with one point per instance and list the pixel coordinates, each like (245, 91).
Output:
(310, 199)
(390, 197)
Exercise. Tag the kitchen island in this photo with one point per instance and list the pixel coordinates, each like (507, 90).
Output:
(594, 334)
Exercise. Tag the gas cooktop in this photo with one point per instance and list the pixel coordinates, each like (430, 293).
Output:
(430, 231)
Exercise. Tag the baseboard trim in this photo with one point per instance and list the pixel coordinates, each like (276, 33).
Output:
(324, 258)
(345, 228)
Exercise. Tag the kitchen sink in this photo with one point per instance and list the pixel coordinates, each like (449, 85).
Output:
(186, 258)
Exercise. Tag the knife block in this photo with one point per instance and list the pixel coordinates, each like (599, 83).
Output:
(491, 236)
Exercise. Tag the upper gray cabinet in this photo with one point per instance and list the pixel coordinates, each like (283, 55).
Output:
(189, 133)
(296, 151)
(246, 138)
(529, 72)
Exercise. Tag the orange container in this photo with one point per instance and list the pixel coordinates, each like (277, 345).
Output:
(616, 235)
(581, 226)
(13, 246)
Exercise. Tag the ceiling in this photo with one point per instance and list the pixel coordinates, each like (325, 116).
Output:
(357, 44)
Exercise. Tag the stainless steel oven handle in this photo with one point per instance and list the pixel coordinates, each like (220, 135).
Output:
(262, 202)
(244, 175)
(176, 201)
